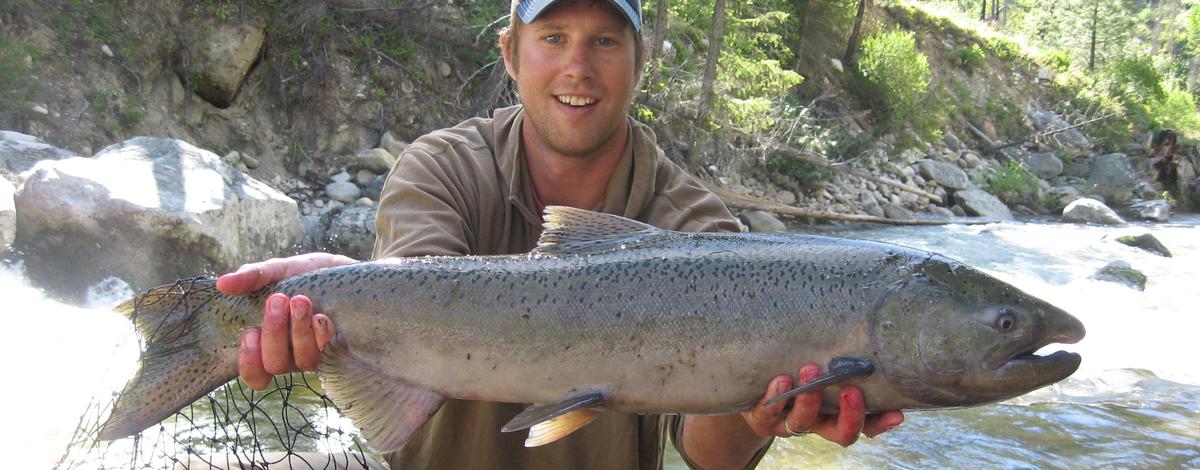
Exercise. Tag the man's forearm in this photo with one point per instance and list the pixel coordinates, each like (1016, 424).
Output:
(720, 442)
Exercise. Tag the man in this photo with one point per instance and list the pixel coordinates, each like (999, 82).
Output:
(479, 188)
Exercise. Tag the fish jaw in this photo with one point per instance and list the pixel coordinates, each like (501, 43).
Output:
(1024, 367)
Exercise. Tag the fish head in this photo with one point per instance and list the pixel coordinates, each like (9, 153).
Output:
(948, 335)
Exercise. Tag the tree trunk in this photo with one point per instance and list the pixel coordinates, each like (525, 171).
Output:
(800, 8)
(660, 30)
(710, 69)
(855, 36)
(1092, 47)
(983, 11)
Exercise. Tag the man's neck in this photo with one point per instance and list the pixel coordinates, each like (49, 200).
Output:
(571, 180)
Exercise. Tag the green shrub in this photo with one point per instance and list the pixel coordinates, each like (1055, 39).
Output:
(1012, 183)
(1059, 61)
(1176, 110)
(1003, 49)
(16, 86)
(969, 58)
(894, 73)
(1133, 79)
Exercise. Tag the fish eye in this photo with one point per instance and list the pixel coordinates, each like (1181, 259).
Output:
(1006, 322)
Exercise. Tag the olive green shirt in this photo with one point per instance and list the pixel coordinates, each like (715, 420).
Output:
(466, 191)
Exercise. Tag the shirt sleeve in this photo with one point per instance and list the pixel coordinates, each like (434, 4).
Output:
(421, 209)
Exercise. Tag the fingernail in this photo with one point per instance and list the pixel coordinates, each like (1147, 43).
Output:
(322, 332)
(276, 304)
(298, 310)
(783, 385)
(251, 339)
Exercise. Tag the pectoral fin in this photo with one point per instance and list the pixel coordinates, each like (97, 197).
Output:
(388, 411)
(552, 421)
(841, 370)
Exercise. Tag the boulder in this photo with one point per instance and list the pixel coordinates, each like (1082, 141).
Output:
(1146, 242)
(375, 187)
(218, 57)
(349, 231)
(869, 204)
(378, 161)
(761, 221)
(393, 145)
(1158, 210)
(8, 215)
(147, 211)
(1112, 177)
(1121, 272)
(1071, 140)
(896, 212)
(343, 191)
(978, 202)
(1062, 196)
(1088, 210)
(944, 174)
(1044, 165)
(19, 152)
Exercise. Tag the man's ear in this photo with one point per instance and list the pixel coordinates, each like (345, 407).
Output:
(507, 54)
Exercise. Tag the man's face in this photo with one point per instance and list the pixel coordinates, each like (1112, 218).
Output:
(575, 74)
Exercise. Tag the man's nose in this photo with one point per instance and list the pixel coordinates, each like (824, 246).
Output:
(579, 61)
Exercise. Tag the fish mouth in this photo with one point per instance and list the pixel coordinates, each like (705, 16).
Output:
(1047, 368)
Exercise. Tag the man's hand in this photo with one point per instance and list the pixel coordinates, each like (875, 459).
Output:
(805, 415)
(292, 337)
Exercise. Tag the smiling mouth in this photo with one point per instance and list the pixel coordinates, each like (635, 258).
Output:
(576, 101)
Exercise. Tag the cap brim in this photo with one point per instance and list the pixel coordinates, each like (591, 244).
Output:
(530, 10)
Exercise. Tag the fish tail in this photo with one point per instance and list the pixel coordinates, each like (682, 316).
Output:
(191, 339)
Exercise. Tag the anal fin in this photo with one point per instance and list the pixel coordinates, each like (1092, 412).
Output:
(387, 410)
(550, 422)
(557, 428)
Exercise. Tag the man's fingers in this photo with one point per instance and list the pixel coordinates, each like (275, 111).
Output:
(807, 408)
(254, 276)
(276, 336)
(324, 330)
(250, 361)
(305, 352)
(763, 420)
(884, 422)
(845, 429)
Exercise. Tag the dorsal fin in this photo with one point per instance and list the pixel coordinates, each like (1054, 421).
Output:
(569, 231)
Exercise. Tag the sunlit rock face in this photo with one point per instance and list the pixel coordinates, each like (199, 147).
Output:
(147, 211)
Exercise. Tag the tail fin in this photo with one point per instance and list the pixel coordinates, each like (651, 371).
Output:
(191, 349)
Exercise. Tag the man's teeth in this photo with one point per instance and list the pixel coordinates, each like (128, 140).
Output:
(576, 100)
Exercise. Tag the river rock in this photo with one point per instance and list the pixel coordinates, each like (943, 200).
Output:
(1122, 273)
(1063, 196)
(1112, 177)
(978, 202)
(944, 174)
(393, 145)
(147, 211)
(762, 221)
(1088, 210)
(1146, 242)
(343, 191)
(350, 231)
(870, 205)
(1071, 140)
(896, 212)
(951, 141)
(376, 160)
(1044, 165)
(1158, 210)
(8, 215)
(19, 152)
(375, 187)
(218, 56)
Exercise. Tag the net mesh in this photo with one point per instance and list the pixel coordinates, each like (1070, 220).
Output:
(292, 424)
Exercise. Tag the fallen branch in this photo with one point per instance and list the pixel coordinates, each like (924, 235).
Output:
(742, 201)
(993, 146)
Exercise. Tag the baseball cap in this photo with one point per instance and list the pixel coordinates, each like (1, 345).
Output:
(528, 10)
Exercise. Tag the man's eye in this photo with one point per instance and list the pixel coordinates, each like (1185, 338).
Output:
(553, 38)
(606, 42)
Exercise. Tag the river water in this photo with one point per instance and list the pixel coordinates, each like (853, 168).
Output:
(1135, 402)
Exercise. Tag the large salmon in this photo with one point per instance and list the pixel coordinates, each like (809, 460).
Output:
(613, 314)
